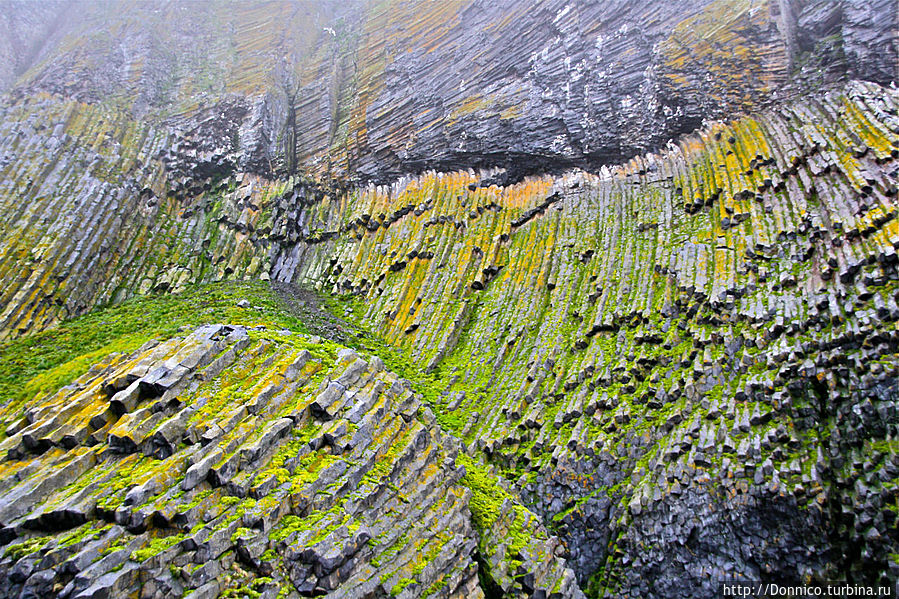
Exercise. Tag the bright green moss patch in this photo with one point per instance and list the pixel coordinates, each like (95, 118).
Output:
(198, 497)
(391, 551)
(307, 471)
(241, 593)
(400, 586)
(316, 521)
(65, 373)
(155, 547)
(242, 533)
(126, 477)
(434, 588)
(487, 498)
(230, 500)
(89, 529)
(47, 360)
(119, 544)
(20, 550)
(487, 495)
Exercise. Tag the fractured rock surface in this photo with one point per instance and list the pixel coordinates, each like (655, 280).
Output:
(683, 357)
(698, 341)
(374, 91)
(237, 459)
(669, 352)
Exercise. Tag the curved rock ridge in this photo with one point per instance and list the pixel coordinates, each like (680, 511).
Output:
(232, 460)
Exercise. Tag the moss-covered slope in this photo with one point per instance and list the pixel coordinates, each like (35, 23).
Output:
(232, 460)
(668, 369)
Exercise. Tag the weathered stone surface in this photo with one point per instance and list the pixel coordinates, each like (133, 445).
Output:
(301, 508)
(528, 86)
(683, 356)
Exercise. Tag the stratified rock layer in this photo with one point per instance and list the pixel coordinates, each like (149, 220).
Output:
(375, 90)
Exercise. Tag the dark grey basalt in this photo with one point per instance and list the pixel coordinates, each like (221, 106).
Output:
(605, 312)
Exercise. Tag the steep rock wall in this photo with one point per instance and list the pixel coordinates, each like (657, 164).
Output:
(684, 364)
(26, 28)
(373, 91)
(695, 341)
(84, 197)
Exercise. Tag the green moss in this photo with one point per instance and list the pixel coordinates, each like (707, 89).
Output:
(400, 586)
(310, 466)
(270, 555)
(242, 592)
(44, 361)
(242, 533)
(391, 552)
(65, 373)
(291, 524)
(434, 588)
(89, 529)
(126, 477)
(156, 546)
(27, 547)
(236, 512)
(118, 544)
(198, 497)
(487, 496)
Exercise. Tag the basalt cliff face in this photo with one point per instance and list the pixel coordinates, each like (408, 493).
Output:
(503, 299)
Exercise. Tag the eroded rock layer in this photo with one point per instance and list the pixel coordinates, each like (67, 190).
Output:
(699, 344)
(374, 90)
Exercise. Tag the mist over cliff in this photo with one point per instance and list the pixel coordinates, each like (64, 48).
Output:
(370, 91)
(460, 299)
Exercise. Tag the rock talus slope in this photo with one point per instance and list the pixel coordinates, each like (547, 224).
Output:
(620, 283)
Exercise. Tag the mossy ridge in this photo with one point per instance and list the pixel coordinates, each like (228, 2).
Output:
(49, 359)
(488, 495)
(230, 513)
(156, 546)
(141, 467)
(27, 547)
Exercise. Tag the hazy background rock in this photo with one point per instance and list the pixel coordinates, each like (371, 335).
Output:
(374, 91)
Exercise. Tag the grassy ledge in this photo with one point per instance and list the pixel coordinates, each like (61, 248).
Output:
(47, 360)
